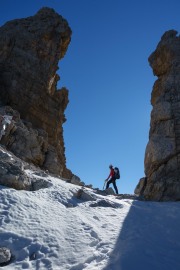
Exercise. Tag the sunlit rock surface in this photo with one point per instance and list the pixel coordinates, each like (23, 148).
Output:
(162, 156)
(30, 50)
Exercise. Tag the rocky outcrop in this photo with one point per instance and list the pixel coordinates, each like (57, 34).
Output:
(30, 50)
(14, 173)
(5, 256)
(84, 195)
(21, 138)
(162, 156)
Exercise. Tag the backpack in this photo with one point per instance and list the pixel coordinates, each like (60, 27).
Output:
(116, 173)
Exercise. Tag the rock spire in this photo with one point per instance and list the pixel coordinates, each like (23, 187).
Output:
(162, 155)
(30, 50)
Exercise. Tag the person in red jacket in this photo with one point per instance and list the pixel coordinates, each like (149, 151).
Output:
(111, 179)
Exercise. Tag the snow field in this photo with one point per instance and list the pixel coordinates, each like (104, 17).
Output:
(51, 229)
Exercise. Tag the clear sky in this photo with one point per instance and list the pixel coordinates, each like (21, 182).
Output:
(109, 79)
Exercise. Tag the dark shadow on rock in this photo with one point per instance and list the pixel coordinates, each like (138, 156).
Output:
(40, 184)
(105, 203)
(149, 238)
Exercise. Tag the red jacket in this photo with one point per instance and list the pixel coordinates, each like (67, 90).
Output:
(111, 173)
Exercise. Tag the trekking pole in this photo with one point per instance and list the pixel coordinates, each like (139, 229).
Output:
(104, 183)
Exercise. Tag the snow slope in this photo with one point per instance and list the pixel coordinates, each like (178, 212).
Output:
(52, 229)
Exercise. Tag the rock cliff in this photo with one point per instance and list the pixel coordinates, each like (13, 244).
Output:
(30, 50)
(162, 155)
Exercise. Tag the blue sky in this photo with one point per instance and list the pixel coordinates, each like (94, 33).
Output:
(109, 79)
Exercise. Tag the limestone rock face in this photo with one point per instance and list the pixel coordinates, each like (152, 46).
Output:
(19, 136)
(14, 173)
(162, 155)
(30, 50)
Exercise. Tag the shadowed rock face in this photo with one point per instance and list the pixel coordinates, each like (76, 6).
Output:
(162, 156)
(30, 50)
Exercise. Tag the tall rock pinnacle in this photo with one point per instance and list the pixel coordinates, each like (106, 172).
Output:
(30, 50)
(162, 156)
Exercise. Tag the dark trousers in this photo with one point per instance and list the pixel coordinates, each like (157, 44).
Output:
(113, 181)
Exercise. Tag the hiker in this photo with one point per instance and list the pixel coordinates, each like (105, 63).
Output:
(111, 179)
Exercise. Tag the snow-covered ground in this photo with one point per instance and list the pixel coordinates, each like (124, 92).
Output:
(52, 229)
